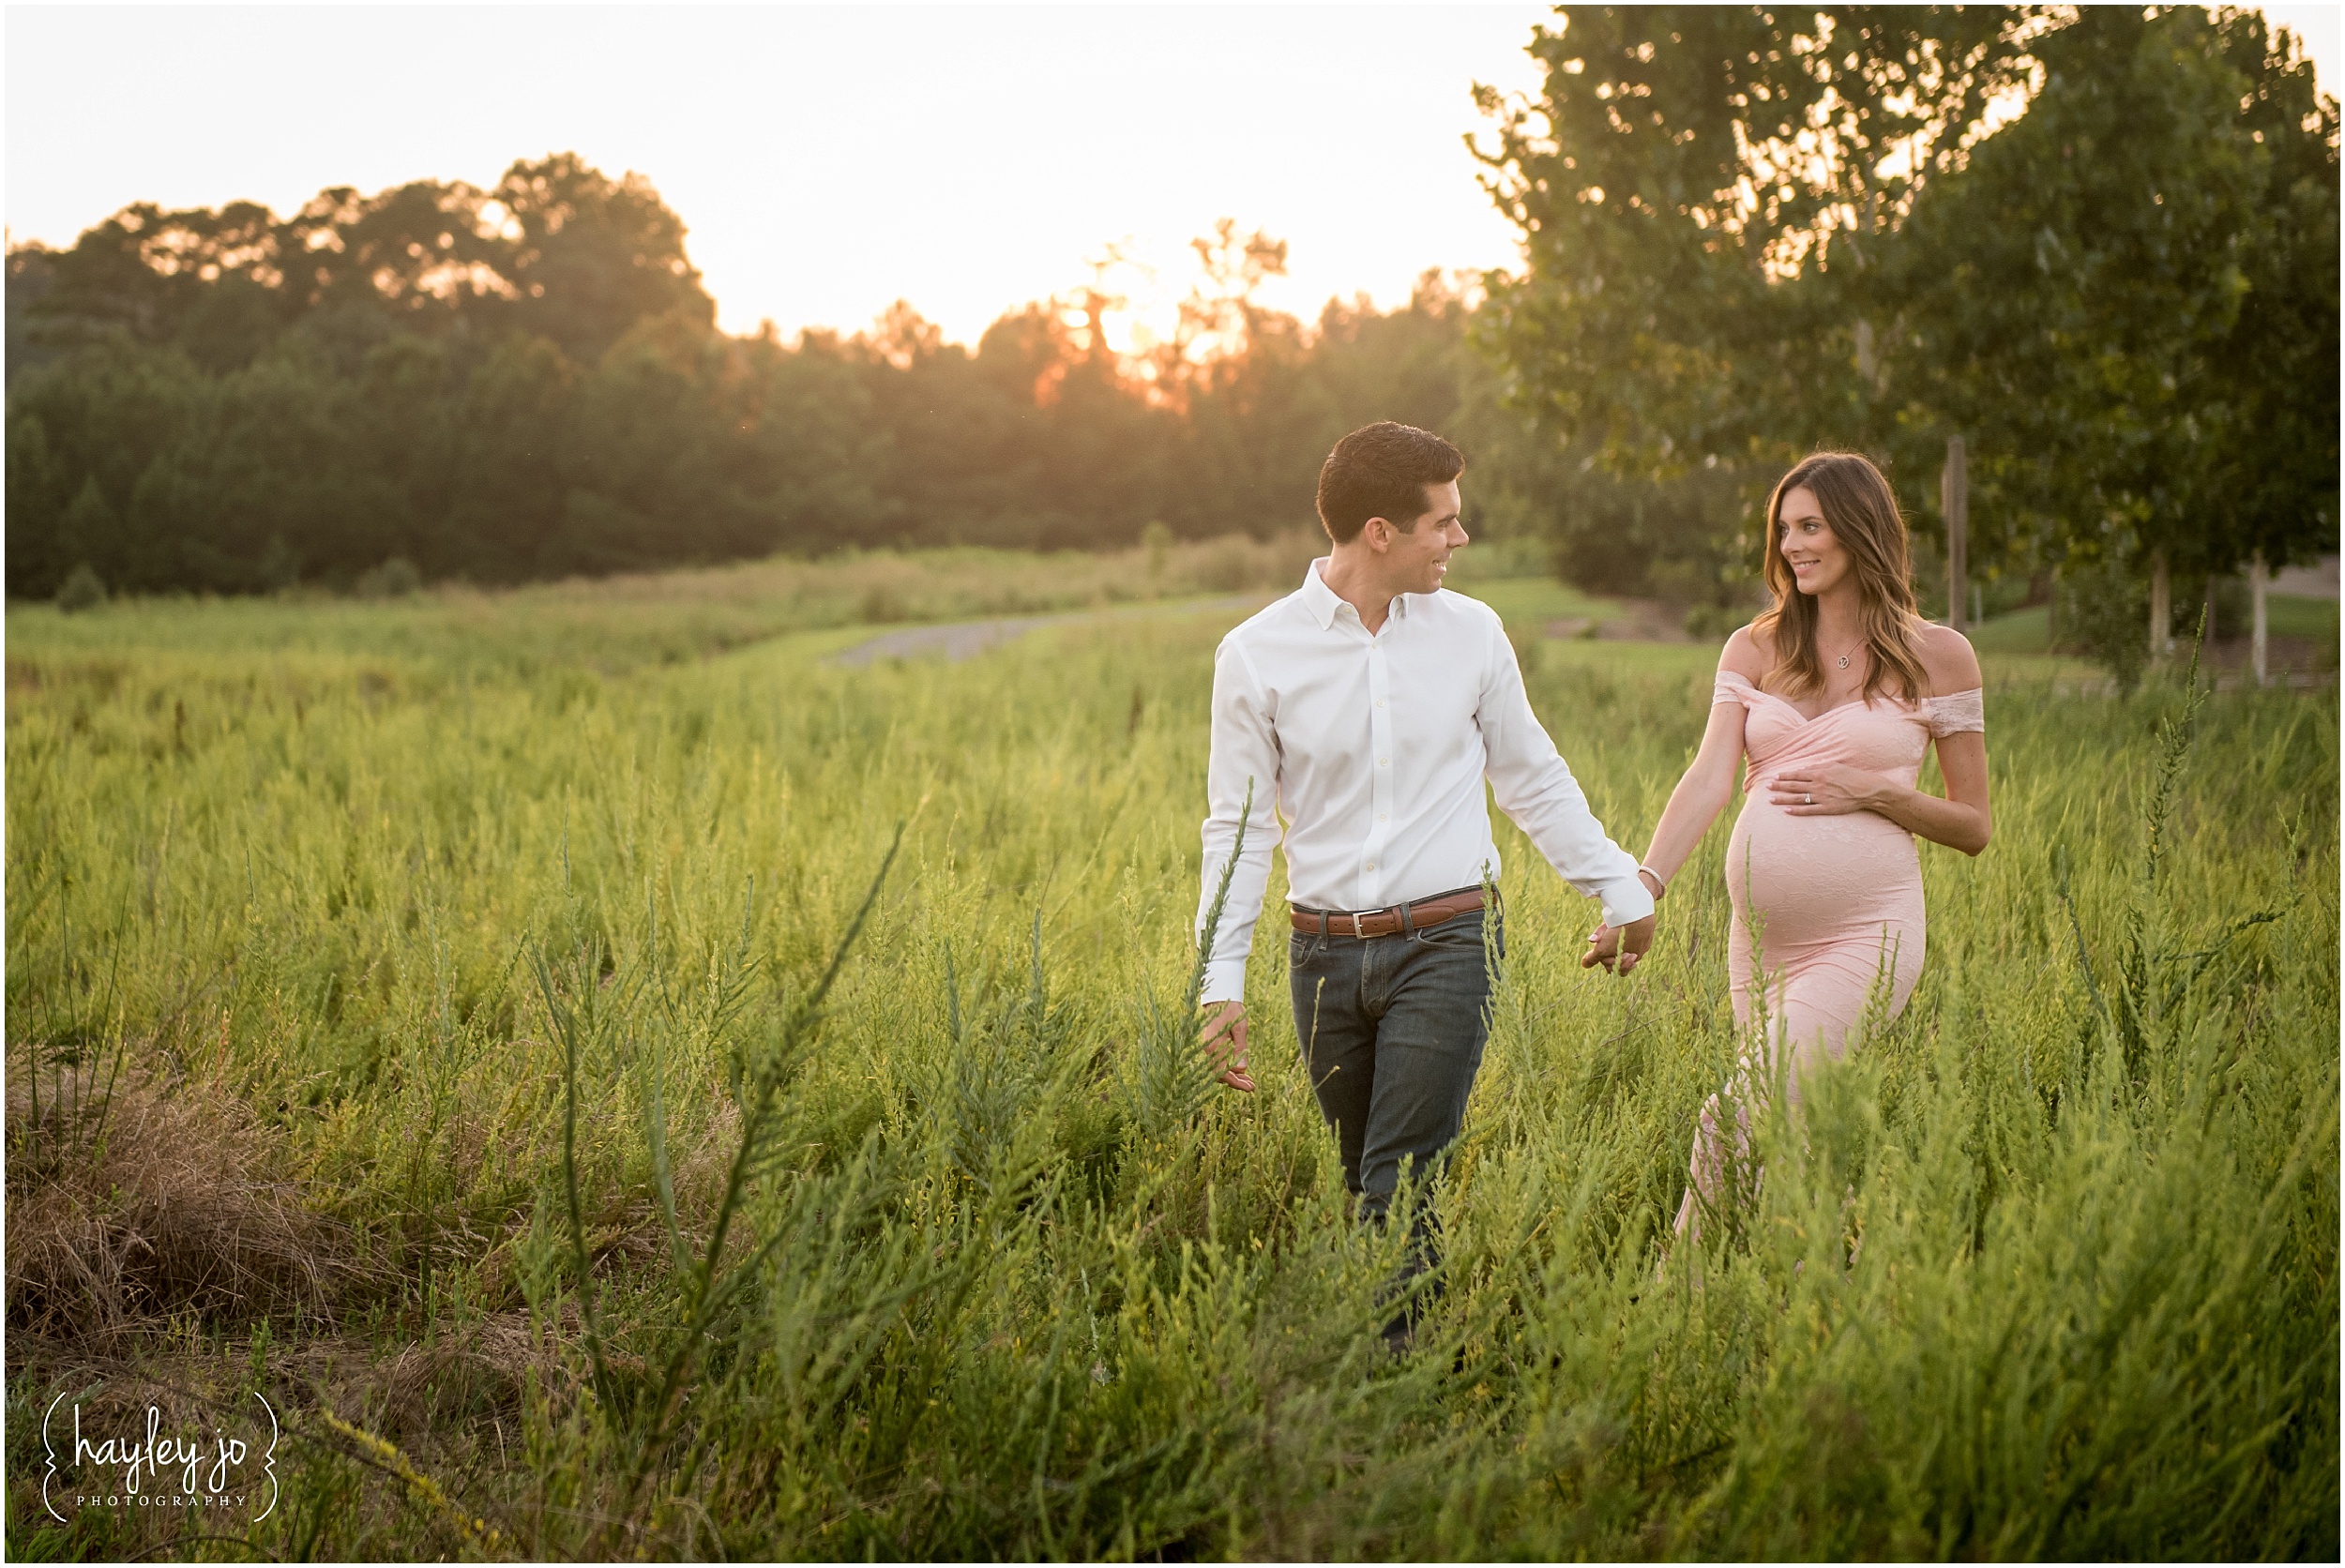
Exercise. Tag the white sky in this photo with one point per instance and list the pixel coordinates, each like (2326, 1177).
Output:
(826, 159)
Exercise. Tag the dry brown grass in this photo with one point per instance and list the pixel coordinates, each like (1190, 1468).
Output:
(160, 1202)
(169, 1201)
(431, 1391)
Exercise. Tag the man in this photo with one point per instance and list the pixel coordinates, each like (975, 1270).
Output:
(1366, 708)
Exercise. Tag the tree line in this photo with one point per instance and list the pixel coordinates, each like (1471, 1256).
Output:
(2096, 244)
(526, 381)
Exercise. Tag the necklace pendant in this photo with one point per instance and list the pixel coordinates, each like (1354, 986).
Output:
(1844, 662)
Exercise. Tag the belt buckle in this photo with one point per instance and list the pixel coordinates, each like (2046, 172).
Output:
(1357, 935)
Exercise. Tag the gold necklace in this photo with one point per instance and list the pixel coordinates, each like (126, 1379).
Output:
(1853, 647)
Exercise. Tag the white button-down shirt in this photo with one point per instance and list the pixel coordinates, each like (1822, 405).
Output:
(1373, 749)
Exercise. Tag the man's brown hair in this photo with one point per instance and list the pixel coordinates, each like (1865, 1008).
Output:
(1383, 471)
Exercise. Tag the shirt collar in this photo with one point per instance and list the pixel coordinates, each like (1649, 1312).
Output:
(1323, 602)
(1318, 597)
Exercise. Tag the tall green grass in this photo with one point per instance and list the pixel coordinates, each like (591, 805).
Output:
(521, 977)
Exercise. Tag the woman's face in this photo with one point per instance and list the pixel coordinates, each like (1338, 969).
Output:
(1819, 561)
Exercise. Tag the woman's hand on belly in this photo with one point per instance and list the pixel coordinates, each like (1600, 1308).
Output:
(1830, 789)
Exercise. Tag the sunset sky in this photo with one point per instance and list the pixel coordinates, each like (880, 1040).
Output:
(827, 161)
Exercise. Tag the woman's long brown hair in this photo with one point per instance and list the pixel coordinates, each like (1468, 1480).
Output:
(1862, 512)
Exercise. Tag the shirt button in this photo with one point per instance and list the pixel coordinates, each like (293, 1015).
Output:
(1380, 762)
(1372, 866)
(1381, 817)
(1380, 702)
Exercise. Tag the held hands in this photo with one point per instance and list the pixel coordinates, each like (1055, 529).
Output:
(1622, 945)
(1826, 790)
(1224, 1040)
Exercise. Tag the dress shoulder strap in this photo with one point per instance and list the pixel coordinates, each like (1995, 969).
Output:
(1956, 711)
(1731, 688)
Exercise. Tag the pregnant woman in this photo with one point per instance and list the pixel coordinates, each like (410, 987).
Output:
(1833, 693)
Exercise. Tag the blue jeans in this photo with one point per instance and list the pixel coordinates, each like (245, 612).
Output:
(1392, 1030)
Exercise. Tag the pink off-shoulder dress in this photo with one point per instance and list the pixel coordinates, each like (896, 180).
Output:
(1835, 903)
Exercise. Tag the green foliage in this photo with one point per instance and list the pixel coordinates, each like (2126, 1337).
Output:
(2125, 295)
(82, 590)
(2099, 611)
(708, 1277)
(1705, 194)
(487, 433)
(1710, 622)
(2050, 1268)
(523, 384)
(395, 579)
(556, 249)
(1755, 231)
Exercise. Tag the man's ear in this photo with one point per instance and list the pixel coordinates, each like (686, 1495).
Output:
(1369, 536)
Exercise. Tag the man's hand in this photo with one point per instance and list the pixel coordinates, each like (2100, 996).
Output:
(1625, 945)
(1224, 1040)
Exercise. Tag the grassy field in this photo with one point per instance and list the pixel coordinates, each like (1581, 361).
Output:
(2303, 631)
(413, 1014)
(613, 626)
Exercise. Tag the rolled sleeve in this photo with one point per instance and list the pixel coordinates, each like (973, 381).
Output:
(1536, 788)
(1244, 760)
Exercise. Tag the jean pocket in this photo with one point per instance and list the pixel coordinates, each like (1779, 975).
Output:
(1303, 947)
(1458, 931)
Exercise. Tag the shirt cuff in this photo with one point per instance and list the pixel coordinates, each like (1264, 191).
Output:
(1225, 981)
(1626, 902)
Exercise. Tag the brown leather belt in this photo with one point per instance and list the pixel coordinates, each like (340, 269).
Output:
(1385, 922)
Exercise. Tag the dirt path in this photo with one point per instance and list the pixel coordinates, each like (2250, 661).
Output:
(1646, 621)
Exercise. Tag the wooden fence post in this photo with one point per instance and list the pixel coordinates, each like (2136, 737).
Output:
(1954, 498)
(2161, 607)
(2259, 582)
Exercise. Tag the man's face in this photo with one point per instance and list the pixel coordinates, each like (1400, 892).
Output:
(1417, 560)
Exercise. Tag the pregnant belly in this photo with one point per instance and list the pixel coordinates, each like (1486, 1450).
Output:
(1807, 879)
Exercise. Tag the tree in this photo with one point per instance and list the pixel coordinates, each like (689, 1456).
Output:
(517, 460)
(2130, 296)
(222, 285)
(1751, 232)
(427, 254)
(591, 256)
(1221, 322)
(526, 382)
(2277, 484)
(1706, 195)
(32, 272)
